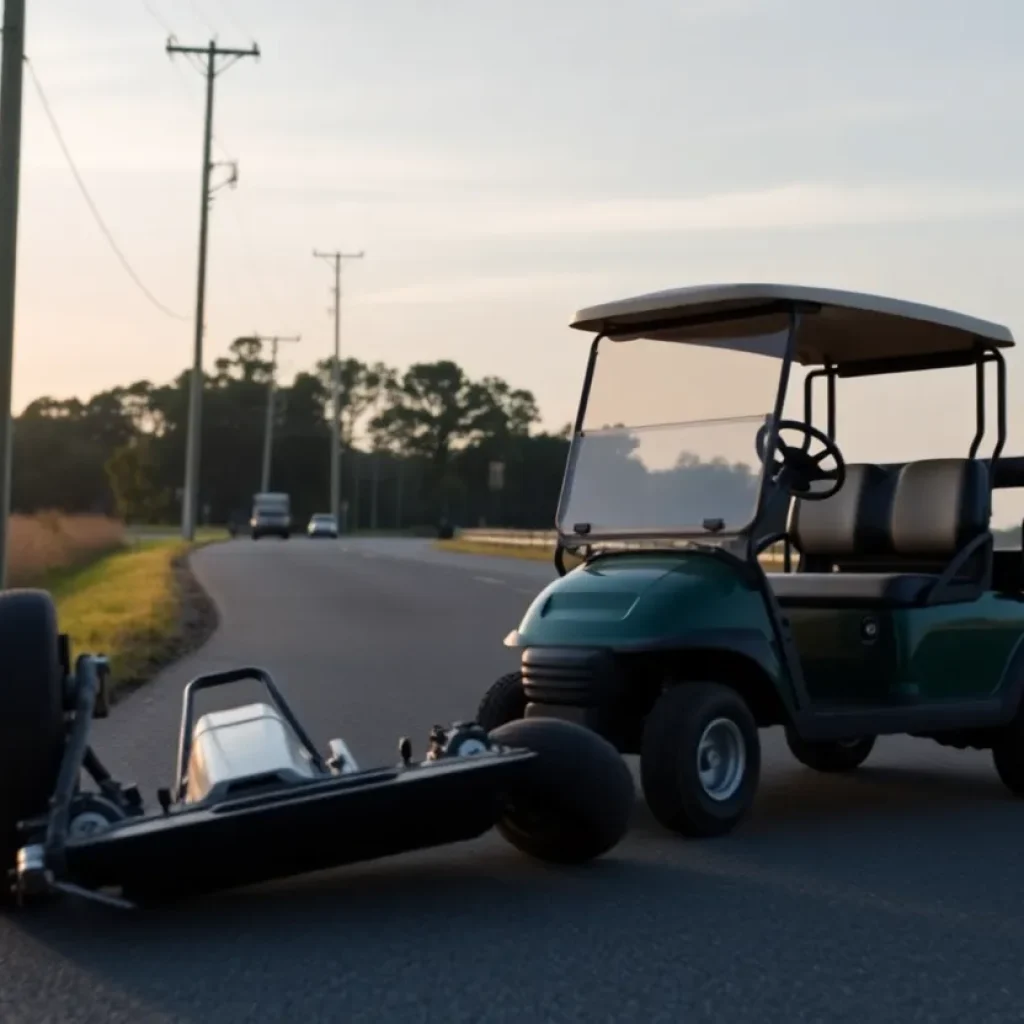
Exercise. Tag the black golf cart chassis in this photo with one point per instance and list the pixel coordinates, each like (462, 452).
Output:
(260, 833)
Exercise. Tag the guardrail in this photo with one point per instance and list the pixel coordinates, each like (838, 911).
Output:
(548, 539)
(511, 538)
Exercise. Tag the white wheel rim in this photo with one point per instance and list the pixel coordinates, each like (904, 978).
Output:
(88, 823)
(721, 759)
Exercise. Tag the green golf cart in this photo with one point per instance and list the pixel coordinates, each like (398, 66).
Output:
(738, 573)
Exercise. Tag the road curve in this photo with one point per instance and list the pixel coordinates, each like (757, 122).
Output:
(892, 895)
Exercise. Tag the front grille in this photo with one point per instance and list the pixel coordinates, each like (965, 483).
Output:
(564, 676)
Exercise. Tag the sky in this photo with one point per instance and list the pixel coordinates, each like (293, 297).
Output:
(503, 165)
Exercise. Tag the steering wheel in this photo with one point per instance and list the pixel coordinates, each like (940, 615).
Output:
(796, 468)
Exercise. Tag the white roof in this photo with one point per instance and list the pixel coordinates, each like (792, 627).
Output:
(838, 326)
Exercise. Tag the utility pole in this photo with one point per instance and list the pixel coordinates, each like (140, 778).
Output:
(190, 501)
(10, 165)
(399, 463)
(335, 259)
(268, 432)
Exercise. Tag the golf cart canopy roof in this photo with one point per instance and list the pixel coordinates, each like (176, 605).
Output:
(836, 327)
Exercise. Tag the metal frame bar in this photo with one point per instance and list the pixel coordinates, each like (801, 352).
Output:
(567, 541)
(76, 747)
(829, 373)
(236, 675)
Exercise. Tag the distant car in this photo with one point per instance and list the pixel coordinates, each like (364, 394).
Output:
(323, 524)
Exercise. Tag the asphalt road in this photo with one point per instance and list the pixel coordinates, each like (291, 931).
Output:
(891, 895)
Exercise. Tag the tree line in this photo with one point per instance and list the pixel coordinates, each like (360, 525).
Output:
(417, 446)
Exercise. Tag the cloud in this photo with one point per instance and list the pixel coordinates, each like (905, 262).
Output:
(481, 288)
(790, 207)
(713, 10)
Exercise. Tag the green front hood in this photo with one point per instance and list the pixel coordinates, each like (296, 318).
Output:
(639, 598)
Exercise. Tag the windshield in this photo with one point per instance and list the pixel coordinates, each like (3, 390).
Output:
(668, 437)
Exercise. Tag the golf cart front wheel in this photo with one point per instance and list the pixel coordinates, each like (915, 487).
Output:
(504, 702)
(831, 756)
(31, 714)
(700, 759)
(574, 801)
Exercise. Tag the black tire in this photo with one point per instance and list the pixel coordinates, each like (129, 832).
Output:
(31, 714)
(503, 702)
(669, 747)
(832, 756)
(575, 799)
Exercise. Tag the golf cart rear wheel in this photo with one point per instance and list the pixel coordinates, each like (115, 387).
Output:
(503, 702)
(576, 797)
(31, 714)
(700, 759)
(832, 756)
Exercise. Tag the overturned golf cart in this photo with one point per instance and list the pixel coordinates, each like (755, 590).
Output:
(252, 798)
(708, 435)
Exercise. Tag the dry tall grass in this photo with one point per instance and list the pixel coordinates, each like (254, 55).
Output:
(50, 541)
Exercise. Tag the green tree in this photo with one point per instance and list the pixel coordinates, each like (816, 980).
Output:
(435, 407)
(362, 388)
(432, 432)
(134, 475)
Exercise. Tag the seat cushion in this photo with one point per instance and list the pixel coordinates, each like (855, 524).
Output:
(852, 589)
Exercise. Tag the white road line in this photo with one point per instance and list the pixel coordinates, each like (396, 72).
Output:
(490, 579)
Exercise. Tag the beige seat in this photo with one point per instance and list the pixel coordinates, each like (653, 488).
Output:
(897, 537)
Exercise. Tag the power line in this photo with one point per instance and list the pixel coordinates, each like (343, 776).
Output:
(97, 216)
(152, 12)
(232, 18)
(200, 16)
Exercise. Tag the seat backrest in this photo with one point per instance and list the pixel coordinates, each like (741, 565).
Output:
(914, 517)
(851, 525)
(939, 507)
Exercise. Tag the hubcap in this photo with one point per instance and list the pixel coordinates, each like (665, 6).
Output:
(721, 759)
(469, 748)
(89, 823)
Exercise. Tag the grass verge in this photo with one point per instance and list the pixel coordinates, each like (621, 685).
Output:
(204, 534)
(141, 606)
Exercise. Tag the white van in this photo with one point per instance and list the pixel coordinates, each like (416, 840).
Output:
(271, 514)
